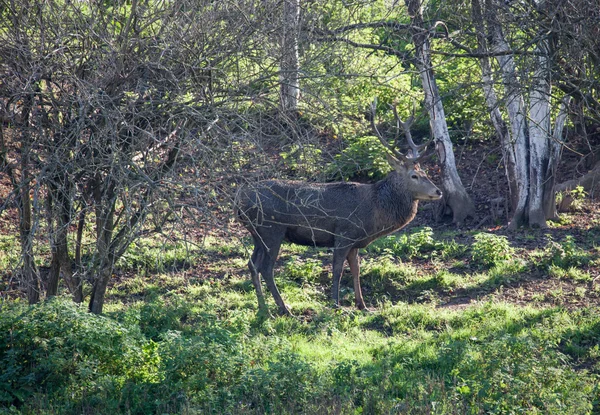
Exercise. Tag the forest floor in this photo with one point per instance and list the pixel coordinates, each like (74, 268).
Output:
(476, 319)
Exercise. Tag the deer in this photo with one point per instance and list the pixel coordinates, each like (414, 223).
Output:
(344, 216)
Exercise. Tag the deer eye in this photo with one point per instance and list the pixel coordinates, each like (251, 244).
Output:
(414, 176)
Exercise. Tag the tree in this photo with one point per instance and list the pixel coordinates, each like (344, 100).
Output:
(455, 195)
(101, 117)
(290, 60)
(532, 151)
(391, 35)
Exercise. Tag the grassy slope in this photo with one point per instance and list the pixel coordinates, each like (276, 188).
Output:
(458, 324)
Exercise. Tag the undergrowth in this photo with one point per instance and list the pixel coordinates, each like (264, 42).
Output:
(175, 342)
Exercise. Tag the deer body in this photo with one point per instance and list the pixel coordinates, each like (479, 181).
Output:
(342, 216)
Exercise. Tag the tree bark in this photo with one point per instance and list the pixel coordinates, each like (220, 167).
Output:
(105, 212)
(515, 106)
(455, 195)
(30, 274)
(493, 105)
(539, 137)
(290, 60)
(59, 207)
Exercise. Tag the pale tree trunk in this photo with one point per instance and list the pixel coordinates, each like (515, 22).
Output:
(515, 107)
(492, 103)
(539, 136)
(290, 60)
(455, 195)
(536, 147)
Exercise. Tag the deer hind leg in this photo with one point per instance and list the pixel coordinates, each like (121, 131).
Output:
(354, 263)
(272, 244)
(339, 256)
(254, 265)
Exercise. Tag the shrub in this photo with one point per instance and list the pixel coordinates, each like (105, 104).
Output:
(364, 158)
(489, 250)
(58, 348)
(565, 254)
(420, 243)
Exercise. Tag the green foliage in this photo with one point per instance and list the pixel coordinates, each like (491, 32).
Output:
(303, 160)
(59, 349)
(565, 254)
(363, 158)
(577, 195)
(489, 249)
(302, 270)
(9, 252)
(419, 243)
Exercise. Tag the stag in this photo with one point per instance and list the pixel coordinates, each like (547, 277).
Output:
(344, 216)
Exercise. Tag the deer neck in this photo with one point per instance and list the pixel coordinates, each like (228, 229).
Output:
(395, 204)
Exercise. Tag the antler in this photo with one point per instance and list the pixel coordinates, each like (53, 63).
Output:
(405, 126)
(414, 149)
(392, 148)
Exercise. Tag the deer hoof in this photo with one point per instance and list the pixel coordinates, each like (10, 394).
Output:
(285, 312)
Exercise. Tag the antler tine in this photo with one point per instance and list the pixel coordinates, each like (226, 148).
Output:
(383, 141)
(414, 148)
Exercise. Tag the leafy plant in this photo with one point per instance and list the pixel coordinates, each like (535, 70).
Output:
(489, 249)
(302, 270)
(363, 158)
(420, 243)
(565, 254)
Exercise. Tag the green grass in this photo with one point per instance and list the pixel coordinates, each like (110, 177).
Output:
(180, 334)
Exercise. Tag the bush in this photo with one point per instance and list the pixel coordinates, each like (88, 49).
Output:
(565, 254)
(59, 349)
(420, 243)
(490, 250)
(364, 158)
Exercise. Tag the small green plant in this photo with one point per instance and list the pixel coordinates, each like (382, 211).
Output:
(420, 243)
(302, 270)
(489, 249)
(578, 195)
(565, 254)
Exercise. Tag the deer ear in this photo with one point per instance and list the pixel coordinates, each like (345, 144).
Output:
(395, 163)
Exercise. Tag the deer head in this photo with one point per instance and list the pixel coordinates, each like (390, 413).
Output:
(407, 165)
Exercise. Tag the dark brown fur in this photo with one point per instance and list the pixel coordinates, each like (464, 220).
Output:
(343, 216)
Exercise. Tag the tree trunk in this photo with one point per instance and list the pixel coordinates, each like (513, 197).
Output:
(59, 206)
(290, 60)
(515, 106)
(539, 137)
(30, 274)
(492, 103)
(21, 187)
(455, 195)
(556, 145)
(105, 212)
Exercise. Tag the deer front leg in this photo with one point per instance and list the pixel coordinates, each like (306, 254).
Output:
(339, 256)
(254, 265)
(354, 263)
